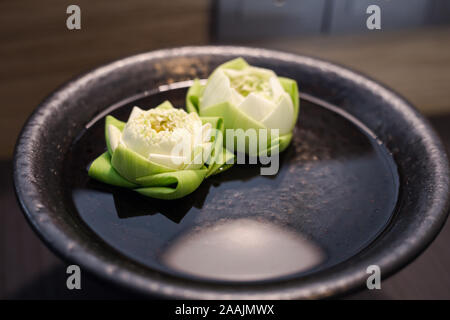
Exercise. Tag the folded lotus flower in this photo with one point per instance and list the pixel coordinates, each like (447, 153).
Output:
(162, 153)
(248, 97)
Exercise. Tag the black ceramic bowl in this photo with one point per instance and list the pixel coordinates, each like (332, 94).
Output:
(364, 182)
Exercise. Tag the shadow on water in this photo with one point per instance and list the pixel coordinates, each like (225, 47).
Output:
(130, 204)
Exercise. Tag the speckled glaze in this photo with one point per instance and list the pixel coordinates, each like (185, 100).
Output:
(47, 139)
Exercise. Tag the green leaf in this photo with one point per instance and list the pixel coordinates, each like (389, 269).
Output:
(131, 165)
(102, 170)
(171, 185)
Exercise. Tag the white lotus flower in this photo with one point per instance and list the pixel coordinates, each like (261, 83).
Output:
(255, 91)
(248, 97)
(167, 137)
(162, 153)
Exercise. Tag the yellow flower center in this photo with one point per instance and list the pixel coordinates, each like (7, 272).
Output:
(251, 79)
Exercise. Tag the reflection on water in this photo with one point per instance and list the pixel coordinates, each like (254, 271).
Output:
(242, 249)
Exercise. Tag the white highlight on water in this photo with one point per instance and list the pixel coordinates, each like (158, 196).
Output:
(242, 249)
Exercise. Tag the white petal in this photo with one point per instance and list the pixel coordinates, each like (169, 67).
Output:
(256, 107)
(261, 72)
(282, 116)
(114, 135)
(236, 98)
(135, 112)
(277, 88)
(134, 141)
(174, 145)
(217, 90)
(206, 132)
(142, 134)
(172, 162)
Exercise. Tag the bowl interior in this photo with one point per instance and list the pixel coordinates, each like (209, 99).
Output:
(335, 191)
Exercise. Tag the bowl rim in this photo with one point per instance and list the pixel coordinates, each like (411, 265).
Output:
(340, 280)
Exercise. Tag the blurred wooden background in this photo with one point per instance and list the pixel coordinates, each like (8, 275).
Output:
(39, 53)
(415, 63)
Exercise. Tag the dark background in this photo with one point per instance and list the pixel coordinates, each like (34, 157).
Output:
(411, 54)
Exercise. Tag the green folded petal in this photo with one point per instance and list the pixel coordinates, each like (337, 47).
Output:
(233, 118)
(171, 185)
(131, 165)
(291, 87)
(220, 157)
(199, 156)
(215, 122)
(236, 119)
(193, 96)
(284, 141)
(223, 161)
(165, 105)
(110, 120)
(236, 64)
(102, 170)
(277, 146)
